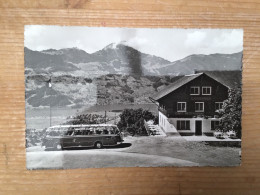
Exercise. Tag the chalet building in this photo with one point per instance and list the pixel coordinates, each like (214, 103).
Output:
(189, 105)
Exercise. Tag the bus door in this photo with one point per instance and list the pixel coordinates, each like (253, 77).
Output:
(69, 139)
(83, 138)
(77, 138)
(108, 137)
(95, 135)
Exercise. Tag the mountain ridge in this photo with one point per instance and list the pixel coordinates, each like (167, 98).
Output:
(123, 59)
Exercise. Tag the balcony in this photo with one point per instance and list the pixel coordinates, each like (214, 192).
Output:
(172, 114)
(185, 114)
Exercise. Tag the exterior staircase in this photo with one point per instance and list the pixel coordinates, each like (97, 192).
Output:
(153, 129)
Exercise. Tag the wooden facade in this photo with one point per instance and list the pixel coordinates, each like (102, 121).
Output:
(219, 93)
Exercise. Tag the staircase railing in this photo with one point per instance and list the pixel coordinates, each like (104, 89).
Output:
(151, 129)
(147, 128)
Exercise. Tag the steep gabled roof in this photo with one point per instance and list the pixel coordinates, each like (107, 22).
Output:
(231, 79)
(186, 79)
(172, 87)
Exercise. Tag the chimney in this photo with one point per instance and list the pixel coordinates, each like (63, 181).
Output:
(197, 71)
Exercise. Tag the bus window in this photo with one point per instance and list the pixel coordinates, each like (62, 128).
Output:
(105, 132)
(78, 132)
(69, 132)
(71, 129)
(116, 130)
(53, 133)
(98, 132)
(111, 132)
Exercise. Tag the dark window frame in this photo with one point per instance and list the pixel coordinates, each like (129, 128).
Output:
(218, 103)
(183, 125)
(185, 107)
(193, 88)
(213, 124)
(199, 110)
(207, 87)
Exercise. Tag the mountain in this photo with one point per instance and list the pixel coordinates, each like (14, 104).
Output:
(113, 59)
(213, 62)
(122, 59)
(47, 61)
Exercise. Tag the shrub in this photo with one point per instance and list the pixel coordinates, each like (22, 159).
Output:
(132, 121)
(34, 137)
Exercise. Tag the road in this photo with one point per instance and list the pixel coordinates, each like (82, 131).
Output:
(147, 151)
(71, 159)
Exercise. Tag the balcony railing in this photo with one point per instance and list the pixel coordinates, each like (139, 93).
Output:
(163, 111)
(172, 114)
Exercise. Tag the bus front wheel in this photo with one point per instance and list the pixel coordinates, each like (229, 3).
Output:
(98, 145)
(58, 146)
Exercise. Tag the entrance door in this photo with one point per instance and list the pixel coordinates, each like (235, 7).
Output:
(198, 127)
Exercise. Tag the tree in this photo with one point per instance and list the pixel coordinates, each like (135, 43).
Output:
(86, 119)
(132, 121)
(231, 112)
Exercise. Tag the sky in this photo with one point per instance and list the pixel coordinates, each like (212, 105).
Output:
(169, 43)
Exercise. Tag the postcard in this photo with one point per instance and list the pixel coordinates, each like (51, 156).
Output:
(132, 97)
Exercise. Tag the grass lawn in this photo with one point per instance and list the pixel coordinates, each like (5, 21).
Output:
(178, 147)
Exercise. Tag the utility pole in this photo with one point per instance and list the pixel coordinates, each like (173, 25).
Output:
(49, 85)
(105, 117)
(50, 113)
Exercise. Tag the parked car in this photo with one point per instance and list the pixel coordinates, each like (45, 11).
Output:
(231, 134)
(219, 135)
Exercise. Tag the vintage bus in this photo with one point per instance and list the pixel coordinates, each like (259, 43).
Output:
(70, 136)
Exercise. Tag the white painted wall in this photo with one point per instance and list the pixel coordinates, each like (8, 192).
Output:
(170, 124)
(206, 123)
(165, 125)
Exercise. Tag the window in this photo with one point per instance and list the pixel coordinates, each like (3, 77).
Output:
(199, 106)
(214, 125)
(206, 90)
(105, 132)
(183, 125)
(194, 90)
(218, 105)
(181, 106)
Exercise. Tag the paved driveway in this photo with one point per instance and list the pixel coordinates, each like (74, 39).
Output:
(149, 151)
(98, 158)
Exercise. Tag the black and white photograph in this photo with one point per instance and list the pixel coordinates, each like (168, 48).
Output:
(100, 97)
